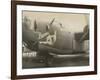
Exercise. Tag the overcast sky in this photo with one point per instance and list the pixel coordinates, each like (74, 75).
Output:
(72, 22)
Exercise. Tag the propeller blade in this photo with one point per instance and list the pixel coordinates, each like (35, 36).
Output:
(52, 21)
(35, 25)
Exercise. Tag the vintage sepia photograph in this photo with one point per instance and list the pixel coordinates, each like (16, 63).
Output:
(54, 39)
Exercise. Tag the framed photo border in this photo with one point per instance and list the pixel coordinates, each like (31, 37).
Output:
(14, 39)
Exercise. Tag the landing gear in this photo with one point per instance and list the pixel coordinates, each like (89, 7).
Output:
(46, 58)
